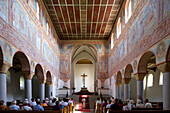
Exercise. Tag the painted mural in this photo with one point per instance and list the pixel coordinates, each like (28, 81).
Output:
(161, 49)
(4, 9)
(103, 66)
(64, 66)
(8, 51)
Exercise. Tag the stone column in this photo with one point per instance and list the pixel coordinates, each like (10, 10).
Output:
(28, 89)
(41, 91)
(126, 88)
(140, 91)
(126, 92)
(118, 91)
(49, 91)
(28, 84)
(3, 86)
(165, 68)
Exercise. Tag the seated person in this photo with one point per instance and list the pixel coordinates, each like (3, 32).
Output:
(126, 107)
(109, 104)
(147, 104)
(38, 107)
(53, 102)
(139, 104)
(105, 103)
(115, 106)
(33, 102)
(14, 106)
(44, 103)
(26, 107)
(2, 106)
(57, 106)
(65, 103)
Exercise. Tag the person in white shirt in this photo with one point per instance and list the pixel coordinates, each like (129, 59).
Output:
(26, 107)
(109, 104)
(33, 102)
(65, 103)
(14, 106)
(139, 104)
(147, 104)
(126, 107)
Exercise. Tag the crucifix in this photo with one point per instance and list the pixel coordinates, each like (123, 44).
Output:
(84, 79)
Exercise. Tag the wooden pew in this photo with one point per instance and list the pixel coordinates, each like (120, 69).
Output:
(64, 109)
(137, 109)
(74, 106)
(70, 108)
(143, 111)
(99, 108)
(47, 108)
(54, 111)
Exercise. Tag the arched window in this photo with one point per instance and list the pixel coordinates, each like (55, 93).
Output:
(22, 83)
(150, 80)
(161, 79)
(118, 28)
(128, 10)
(38, 10)
(144, 83)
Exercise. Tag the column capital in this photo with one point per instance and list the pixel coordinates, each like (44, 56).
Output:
(164, 67)
(27, 74)
(126, 80)
(140, 76)
(4, 68)
(117, 85)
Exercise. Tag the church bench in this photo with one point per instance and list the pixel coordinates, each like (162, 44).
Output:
(143, 111)
(147, 109)
(54, 111)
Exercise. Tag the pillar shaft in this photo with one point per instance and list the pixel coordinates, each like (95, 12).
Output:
(49, 91)
(28, 89)
(42, 91)
(118, 92)
(3, 87)
(126, 91)
(166, 91)
(140, 92)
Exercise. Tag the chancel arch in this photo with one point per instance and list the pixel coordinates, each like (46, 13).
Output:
(84, 58)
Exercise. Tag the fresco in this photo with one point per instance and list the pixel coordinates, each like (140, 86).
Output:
(38, 40)
(22, 22)
(64, 66)
(4, 9)
(65, 49)
(102, 48)
(16, 14)
(103, 66)
(161, 49)
(7, 51)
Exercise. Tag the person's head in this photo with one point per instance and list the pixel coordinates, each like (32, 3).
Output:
(98, 98)
(38, 102)
(1, 102)
(120, 101)
(110, 101)
(116, 101)
(44, 101)
(33, 99)
(127, 100)
(26, 103)
(18, 102)
(57, 103)
(146, 100)
(139, 101)
(126, 103)
(53, 101)
(14, 102)
(131, 102)
(105, 101)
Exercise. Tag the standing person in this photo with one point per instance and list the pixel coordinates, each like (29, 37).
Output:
(14, 106)
(38, 107)
(26, 107)
(2, 106)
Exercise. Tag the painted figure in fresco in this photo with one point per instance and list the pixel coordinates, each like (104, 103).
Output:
(160, 50)
(103, 66)
(64, 66)
(8, 51)
(16, 16)
(3, 9)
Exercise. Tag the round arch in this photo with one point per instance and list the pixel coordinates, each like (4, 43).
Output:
(40, 74)
(83, 51)
(1, 56)
(128, 72)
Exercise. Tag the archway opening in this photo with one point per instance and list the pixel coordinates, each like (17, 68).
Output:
(84, 60)
(16, 78)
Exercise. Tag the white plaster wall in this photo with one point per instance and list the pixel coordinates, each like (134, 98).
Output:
(154, 93)
(61, 83)
(106, 83)
(13, 86)
(88, 69)
(99, 83)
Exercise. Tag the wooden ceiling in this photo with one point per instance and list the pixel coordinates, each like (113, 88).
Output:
(83, 19)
